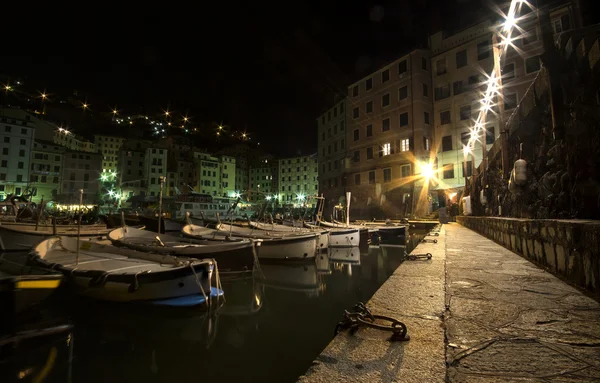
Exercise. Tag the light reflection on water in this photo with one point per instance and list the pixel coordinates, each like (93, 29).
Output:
(270, 328)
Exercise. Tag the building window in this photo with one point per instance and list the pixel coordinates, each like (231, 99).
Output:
(369, 107)
(385, 125)
(446, 143)
(442, 92)
(426, 118)
(385, 75)
(369, 84)
(532, 64)
(7, 140)
(20, 165)
(355, 113)
(425, 90)
(483, 50)
(464, 138)
(465, 112)
(461, 59)
(458, 87)
(403, 93)
(404, 119)
(510, 101)
(448, 171)
(19, 179)
(342, 144)
(405, 171)
(468, 170)
(356, 134)
(490, 135)
(371, 177)
(423, 63)
(440, 66)
(562, 24)
(369, 130)
(386, 149)
(23, 141)
(529, 37)
(402, 68)
(356, 156)
(385, 100)
(426, 144)
(387, 175)
(405, 145)
(369, 153)
(354, 94)
(4, 164)
(445, 117)
(508, 71)
(7, 128)
(357, 179)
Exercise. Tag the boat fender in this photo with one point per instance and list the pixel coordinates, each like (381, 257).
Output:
(520, 170)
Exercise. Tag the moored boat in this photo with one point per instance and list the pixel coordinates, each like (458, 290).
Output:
(23, 236)
(323, 242)
(277, 246)
(345, 255)
(231, 254)
(108, 273)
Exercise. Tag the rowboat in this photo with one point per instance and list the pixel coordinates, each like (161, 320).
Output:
(231, 254)
(277, 228)
(109, 273)
(23, 236)
(276, 246)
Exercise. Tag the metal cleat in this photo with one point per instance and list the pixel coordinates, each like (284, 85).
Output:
(414, 257)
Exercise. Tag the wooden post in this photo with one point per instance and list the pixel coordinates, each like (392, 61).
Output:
(162, 183)
(39, 216)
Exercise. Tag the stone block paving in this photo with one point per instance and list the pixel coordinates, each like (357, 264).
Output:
(476, 313)
(507, 320)
(414, 294)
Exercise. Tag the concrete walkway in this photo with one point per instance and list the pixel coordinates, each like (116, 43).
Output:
(475, 313)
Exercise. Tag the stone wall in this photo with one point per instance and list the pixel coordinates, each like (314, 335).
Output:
(567, 248)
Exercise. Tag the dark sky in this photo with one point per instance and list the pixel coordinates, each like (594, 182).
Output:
(271, 69)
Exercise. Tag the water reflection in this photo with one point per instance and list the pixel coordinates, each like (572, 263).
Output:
(270, 328)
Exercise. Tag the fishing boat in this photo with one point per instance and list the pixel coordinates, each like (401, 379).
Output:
(342, 237)
(231, 254)
(274, 227)
(276, 246)
(23, 236)
(109, 273)
(210, 208)
(20, 292)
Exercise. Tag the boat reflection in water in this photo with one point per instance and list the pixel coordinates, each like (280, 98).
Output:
(292, 277)
(244, 296)
(37, 355)
(322, 260)
(346, 255)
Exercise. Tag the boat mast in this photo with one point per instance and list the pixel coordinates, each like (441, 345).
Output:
(160, 195)
(79, 225)
(348, 194)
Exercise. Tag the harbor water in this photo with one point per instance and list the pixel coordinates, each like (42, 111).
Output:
(270, 328)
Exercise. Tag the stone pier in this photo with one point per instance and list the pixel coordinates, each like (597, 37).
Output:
(476, 312)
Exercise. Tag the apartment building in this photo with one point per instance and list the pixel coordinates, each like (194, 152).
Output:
(331, 127)
(17, 131)
(228, 172)
(81, 170)
(298, 180)
(65, 137)
(242, 154)
(264, 176)
(130, 174)
(45, 172)
(109, 147)
(461, 61)
(388, 136)
(209, 177)
(155, 166)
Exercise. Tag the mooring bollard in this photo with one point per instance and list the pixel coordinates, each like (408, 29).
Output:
(428, 240)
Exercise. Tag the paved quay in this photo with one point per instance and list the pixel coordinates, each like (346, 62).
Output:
(476, 313)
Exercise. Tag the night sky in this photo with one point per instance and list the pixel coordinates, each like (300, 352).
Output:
(271, 70)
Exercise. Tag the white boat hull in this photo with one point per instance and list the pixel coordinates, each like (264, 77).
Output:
(288, 248)
(344, 238)
(24, 237)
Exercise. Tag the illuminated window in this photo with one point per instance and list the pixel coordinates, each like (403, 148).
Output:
(405, 145)
(387, 149)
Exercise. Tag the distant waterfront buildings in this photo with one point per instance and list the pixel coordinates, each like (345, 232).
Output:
(298, 181)
(16, 144)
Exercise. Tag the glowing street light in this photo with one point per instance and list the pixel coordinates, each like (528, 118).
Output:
(268, 198)
(427, 171)
(300, 197)
(43, 95)
(115, 111)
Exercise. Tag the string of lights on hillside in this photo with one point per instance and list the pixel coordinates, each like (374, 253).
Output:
(159, 125)
(505, 33)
